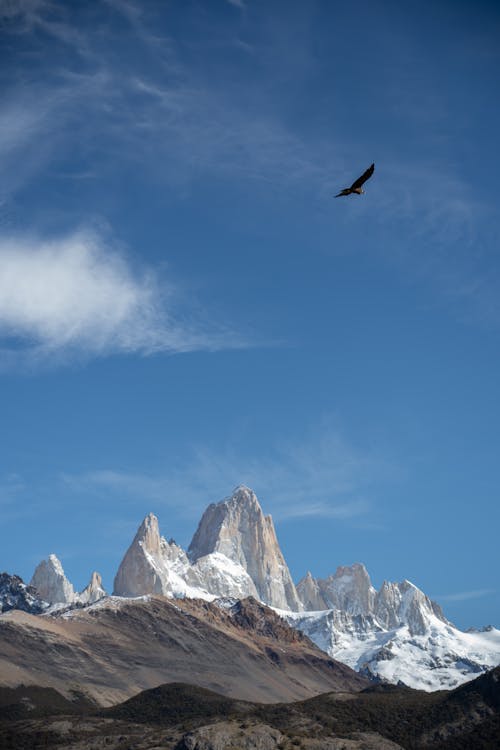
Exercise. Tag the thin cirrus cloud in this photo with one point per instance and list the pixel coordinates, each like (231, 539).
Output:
(75, 295)
(141, 115)
(463, 596)
(322, 477)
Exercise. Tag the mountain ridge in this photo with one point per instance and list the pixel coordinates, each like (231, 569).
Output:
(235, 554)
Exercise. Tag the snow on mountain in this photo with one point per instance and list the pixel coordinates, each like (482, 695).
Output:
(234, 553)
(51, 583)
(349, 589)
(237, 528)
(396, 634)
(15, 594)
(154, 566)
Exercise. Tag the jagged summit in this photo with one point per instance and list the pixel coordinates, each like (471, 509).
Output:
(237, 528)
(52, 585)
(15, 594)
(234, 552)
(151, 565)
(93, 591)
(394, 633)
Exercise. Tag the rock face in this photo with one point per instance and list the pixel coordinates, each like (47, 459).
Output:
(15, 594)
(351, 592)
(93, 591)
(51, 583)
(398, 603)
(237, 528)
(227, 734)
(349, 589)
(234, 553)
(154, 566)
(53, 587)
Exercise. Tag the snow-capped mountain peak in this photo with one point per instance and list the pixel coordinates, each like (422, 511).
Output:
(237, 528)
(51, 583)
(52, 586)
(396, 633)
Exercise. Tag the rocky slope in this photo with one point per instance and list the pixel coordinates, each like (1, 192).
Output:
(15, 594)
(116, 647)
(178, 716)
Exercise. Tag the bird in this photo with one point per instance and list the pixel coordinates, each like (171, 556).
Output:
(356, 185)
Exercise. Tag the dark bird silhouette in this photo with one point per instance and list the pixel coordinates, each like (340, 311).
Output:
(356, 185)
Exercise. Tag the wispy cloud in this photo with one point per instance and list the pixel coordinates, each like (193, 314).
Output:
(77, 295)
(159, 114)
(11, 485)
(322, 478)
(464, 596)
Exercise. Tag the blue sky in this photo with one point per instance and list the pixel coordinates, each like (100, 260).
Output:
(184, 307)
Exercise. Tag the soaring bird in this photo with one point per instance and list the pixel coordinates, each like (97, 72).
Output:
(356, 185)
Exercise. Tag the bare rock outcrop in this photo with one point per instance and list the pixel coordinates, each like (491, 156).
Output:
(152, 565)
(51, 583)
(237, 528)
(93, 591)
(309, 591)
(226, 735)
(53, 587)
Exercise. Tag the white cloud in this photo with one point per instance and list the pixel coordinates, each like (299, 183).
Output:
(463, 596)
(78, 295)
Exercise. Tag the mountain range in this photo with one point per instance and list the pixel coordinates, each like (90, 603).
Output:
(396, 634)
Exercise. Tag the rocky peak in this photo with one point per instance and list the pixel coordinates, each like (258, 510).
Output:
(51, 583)
(404, 603)
(144, 568)
(15, 594)
(93, 591)
(237, 528)
(310, 594)
(236, 513)
(148, 535)
(349, 589)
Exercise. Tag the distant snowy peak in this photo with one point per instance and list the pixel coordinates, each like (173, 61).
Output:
(15, 594)
(51, 583)
(93, 591)
(350, 590)
(237, 528)
(403, 603)
(396, 634)
(441, 657)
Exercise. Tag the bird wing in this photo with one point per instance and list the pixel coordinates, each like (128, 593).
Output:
(364, 177)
